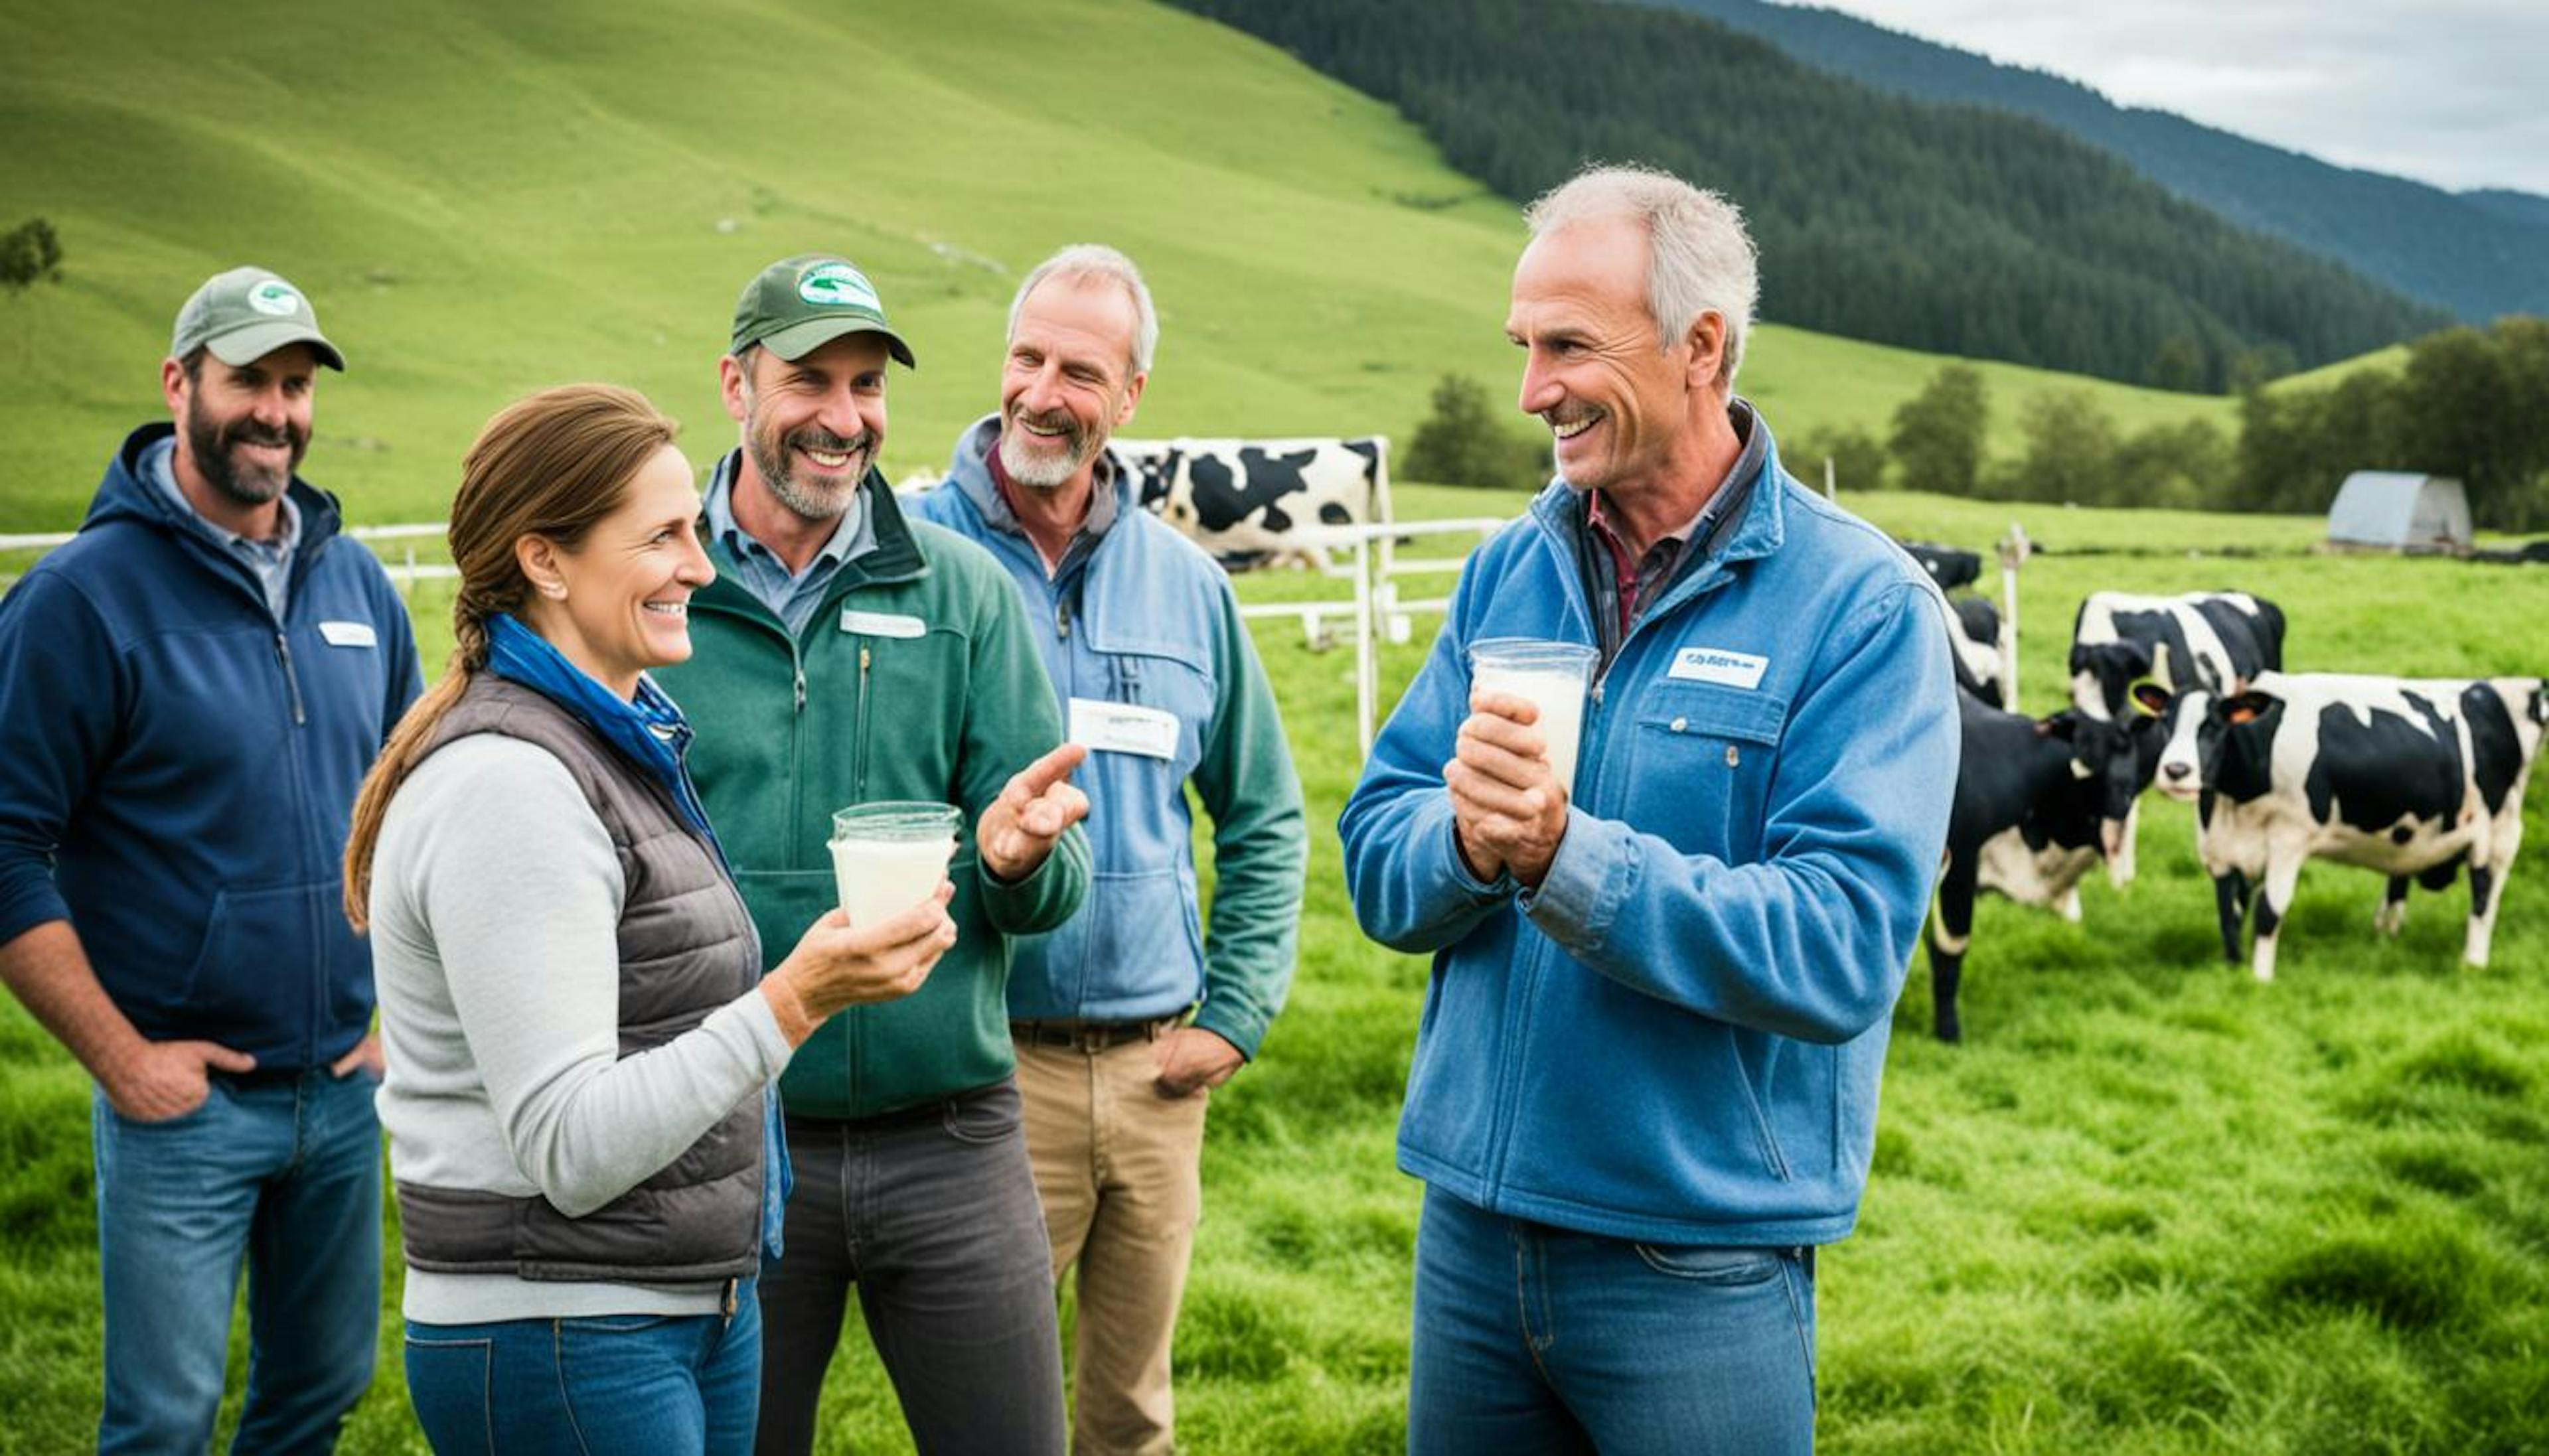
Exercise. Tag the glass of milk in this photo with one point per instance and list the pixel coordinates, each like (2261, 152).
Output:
(890, 856)
(1553, 677)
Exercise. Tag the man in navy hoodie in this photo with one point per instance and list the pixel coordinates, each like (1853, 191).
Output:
(190, 692)
(1645, 1085)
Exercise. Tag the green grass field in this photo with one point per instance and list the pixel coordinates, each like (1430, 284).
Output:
(485, 198)
(2149, 1206)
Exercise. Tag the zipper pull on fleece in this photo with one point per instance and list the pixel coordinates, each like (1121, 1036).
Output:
(290, 679)
(801, 688)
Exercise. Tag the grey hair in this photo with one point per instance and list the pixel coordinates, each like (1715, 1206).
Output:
(1699, 258)
(1086, 260)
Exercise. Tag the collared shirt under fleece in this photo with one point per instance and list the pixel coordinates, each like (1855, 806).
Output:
(1137, 617)
(916, 678)
(1679, 1036)
(178, 765)
(794, 596)
(270, 558)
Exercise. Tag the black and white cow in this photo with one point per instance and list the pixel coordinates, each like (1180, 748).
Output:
(2215, 640)
(1973, 631)
(1974, 624)
(2030, 797)
(1947, 566)
(2408, 777)
(1247, 501)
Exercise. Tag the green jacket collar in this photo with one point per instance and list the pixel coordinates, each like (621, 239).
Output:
(897, 557)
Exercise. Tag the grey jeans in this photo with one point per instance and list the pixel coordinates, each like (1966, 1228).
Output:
(931, 1213)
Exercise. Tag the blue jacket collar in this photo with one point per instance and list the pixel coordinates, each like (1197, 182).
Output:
(1758, 532)
(649, 731)
(969, 470)
(125, 494)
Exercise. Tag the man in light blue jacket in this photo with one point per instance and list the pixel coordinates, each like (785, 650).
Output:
(1645, 1085)
(1145, 646)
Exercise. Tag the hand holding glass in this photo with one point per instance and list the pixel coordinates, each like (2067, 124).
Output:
(889, 857)
(1551, 677)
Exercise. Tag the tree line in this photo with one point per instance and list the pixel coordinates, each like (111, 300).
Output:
(2470, 404)
(1950, 228)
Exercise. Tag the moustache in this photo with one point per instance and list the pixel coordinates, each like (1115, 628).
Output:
(815, 437)
(248, 432)
(1059, 419)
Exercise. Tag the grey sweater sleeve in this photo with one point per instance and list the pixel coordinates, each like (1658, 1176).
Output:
(510, 878)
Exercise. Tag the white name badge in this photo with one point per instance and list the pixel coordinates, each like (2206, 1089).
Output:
(1717, 665)
(882, 624)
(349, 634)
(1123, 728)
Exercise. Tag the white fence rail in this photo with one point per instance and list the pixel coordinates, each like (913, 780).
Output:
(1375, 611)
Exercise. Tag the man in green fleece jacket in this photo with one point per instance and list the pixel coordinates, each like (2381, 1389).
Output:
(846, 655)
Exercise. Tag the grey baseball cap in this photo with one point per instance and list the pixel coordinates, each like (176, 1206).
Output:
(798, 305)
(247, 314)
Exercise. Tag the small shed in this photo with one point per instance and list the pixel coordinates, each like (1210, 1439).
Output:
(2399, 511)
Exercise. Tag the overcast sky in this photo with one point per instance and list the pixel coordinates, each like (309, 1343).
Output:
(2455, 92)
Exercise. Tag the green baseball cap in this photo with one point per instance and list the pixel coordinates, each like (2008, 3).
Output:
(798, 305)
(247, 314)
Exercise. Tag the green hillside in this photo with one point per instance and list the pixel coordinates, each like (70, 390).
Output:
(485, 198)
(2392, 359)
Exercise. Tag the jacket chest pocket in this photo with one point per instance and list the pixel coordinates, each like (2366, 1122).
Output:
(1700, 766)
(912, 687)
(1143, 718)
(1158, 691)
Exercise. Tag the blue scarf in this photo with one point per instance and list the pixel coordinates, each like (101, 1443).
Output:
(651, 733)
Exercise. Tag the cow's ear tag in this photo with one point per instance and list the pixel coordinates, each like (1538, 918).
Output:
(2149, 697)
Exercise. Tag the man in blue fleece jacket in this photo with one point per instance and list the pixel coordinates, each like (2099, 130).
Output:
(1645, 1085)
(190, 692)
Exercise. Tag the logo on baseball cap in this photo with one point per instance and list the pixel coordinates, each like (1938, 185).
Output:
(247, 314)
(798, 305)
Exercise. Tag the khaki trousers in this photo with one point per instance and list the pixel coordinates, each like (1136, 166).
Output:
(1118, 1168)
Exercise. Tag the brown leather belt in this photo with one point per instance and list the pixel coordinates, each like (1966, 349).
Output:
(1088, 1037)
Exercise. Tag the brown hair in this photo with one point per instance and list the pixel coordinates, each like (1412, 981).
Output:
(551, 465)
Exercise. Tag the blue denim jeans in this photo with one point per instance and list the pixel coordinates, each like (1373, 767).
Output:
(1532, 1339)
(283, 1173)
(930, 1214)
(668, 1385)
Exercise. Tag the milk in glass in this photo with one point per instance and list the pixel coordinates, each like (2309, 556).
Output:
(890, 857)
(1552, 677)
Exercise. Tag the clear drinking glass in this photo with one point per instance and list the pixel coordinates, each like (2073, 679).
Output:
(889, 855)
(1553, 675)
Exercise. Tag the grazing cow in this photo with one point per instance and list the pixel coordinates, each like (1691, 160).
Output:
(1245, 501)
(1973, 630)
(1985, 642)
(1947, 565)
(2213, 640)
(2412, 778)
(2030, 797)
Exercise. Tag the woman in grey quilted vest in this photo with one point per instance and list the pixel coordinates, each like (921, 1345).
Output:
(578, 1037)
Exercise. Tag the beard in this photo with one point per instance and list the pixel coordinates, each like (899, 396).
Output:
(1045, 469)
(215, 444)
(771, 456)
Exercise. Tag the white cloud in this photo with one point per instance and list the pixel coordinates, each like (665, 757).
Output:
(2447, 93)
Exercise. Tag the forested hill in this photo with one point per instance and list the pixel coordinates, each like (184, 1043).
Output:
(2480, 255)
(1948, 228)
